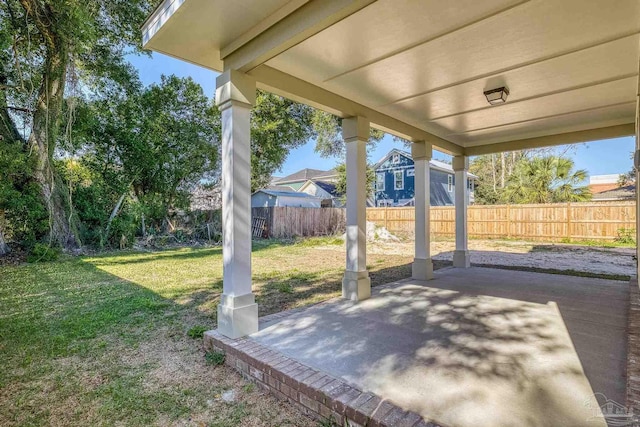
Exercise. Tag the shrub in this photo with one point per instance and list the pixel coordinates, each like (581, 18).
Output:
(626, 236)
(43, 253)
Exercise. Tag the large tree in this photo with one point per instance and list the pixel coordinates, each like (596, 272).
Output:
(153, 144)
(57, 49)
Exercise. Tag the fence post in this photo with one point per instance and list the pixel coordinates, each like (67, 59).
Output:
(508, 220)
(569, 221)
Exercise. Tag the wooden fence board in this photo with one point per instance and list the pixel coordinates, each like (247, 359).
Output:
(550, 222)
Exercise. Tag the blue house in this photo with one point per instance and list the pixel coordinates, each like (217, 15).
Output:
(395, 181)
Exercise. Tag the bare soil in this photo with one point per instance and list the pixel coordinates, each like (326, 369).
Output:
(559, 257)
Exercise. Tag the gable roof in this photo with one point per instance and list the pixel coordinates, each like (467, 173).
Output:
(434, 164)
(305, 174)
(329, 187)
(627, 192)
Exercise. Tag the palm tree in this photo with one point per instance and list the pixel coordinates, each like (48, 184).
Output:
(548, 179)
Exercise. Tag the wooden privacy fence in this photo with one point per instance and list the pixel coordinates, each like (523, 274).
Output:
(546, 222)
(549, 222)
(285, 222)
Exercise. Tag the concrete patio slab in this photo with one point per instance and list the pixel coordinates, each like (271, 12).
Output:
(473, 347)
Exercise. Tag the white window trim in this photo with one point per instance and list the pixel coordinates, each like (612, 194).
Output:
(450, 183)
(378, 175)
(395, 159)
(395, 180)
(411, 172)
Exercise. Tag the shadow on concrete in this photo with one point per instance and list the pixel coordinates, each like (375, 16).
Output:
(471, 348)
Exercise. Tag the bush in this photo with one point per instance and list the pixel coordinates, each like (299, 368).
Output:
(43, 253)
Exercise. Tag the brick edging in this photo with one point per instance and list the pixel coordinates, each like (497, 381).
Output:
(313, 392)
(633, 348)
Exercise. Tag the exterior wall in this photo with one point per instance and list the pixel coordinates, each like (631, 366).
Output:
(440, 194)
(313, 190)
(262, 200)
(299, 202)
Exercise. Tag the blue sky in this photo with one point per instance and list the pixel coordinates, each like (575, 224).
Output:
(598, 158)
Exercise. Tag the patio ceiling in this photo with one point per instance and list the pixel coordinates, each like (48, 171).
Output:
(418, 69)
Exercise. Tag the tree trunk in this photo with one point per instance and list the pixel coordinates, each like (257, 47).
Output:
(493, 170)
(46, 122)
(114, 213)
(502, 169)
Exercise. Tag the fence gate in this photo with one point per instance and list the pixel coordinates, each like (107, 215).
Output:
(258, 226)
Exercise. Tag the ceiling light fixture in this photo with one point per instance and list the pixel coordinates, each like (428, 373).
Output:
(497, 96)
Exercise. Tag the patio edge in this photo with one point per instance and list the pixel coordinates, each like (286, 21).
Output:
(313, 392)
(633, 349)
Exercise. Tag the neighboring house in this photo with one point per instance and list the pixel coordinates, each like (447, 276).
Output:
(395, 181)
(628, 192)
(298, 179)
(278, 198)
(325, 190)
(600, 183)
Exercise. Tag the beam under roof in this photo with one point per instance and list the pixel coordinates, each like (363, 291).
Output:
(298, 90)
(302, 23)
(617, 131)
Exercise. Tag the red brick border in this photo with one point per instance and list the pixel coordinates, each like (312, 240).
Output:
(313, 392)
(633, 349)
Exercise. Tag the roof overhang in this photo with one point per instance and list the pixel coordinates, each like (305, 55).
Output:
(418, 70)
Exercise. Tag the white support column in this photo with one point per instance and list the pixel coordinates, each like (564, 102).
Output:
(461, 253)
(237, 311)
(356, 284)
(422, 268)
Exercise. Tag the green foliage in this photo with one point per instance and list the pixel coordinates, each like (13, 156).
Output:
(214, 358)
(20, 203)
(43, 253)
(341, 183)
(547, 179)
(328, 132)
(197, 331)
(152, 146)
(284, 287)
(278, 125)
(626, 236)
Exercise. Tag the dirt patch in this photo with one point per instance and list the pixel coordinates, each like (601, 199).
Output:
(617, 262)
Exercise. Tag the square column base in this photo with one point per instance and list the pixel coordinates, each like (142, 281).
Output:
(237, 316)
(356, 285)
(422, 269)
(461, 259)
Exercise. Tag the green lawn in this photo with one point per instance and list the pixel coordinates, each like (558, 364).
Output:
(103, 340)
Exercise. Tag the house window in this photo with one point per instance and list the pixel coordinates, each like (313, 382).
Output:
(411, 172)
(471, 185)
(398, 180)
(395, 159)
(450, 183)
(380, 182)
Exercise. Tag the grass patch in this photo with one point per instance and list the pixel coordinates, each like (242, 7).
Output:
(197, 331)
(214, 358)
(101, 340)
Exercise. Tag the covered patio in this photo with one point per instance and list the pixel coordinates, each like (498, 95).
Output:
(473, 347)
(465, 78)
